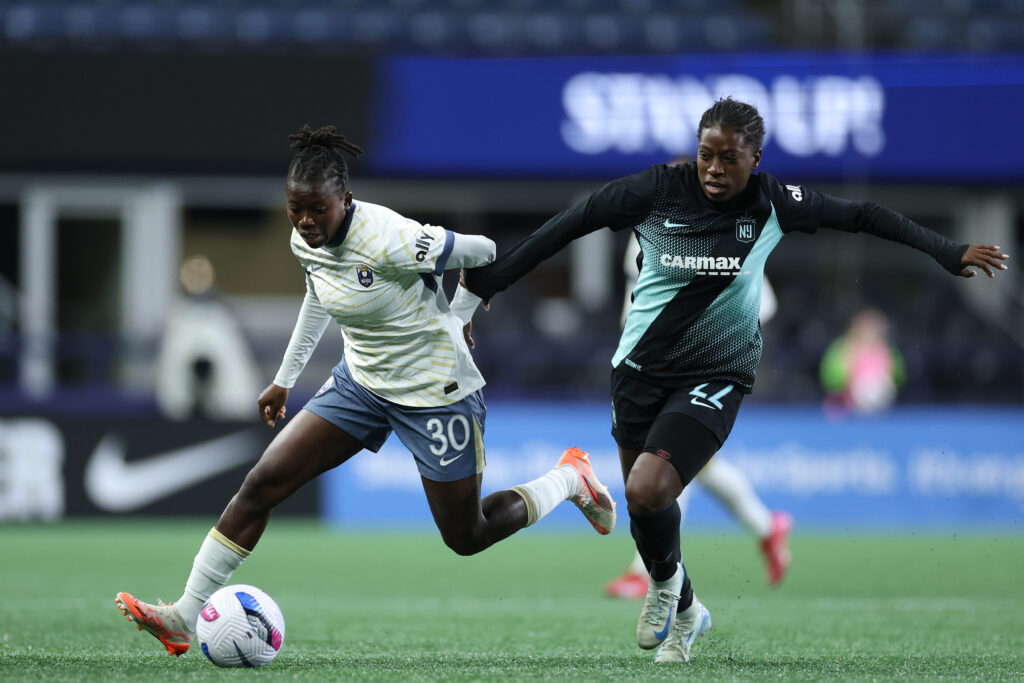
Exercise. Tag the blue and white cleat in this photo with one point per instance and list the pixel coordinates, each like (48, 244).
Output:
(659, 611)
(690, 625)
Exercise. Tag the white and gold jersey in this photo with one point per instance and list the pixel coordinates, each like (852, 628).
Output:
(380, 279)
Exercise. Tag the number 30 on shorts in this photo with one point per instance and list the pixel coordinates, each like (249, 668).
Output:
(455, 436)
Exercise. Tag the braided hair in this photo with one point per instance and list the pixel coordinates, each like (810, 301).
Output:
(318, 157)
(740, 116)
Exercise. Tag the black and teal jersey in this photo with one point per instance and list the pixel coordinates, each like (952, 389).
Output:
(695, 304)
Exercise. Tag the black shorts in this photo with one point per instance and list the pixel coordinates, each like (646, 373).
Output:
(636, 405)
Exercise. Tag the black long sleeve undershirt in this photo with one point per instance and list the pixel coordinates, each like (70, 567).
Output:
(546, 241)
(624, 202)
(619, 204)
(874, 219)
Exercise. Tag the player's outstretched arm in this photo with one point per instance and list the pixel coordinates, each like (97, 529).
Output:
(272, 404)
(874, 219)
(982, 256)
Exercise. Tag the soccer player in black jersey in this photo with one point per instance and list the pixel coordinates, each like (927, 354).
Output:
(691, 342)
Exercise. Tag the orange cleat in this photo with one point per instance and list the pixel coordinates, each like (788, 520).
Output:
(630, 586)
(593, 500)
(162, 620)
(775, 547)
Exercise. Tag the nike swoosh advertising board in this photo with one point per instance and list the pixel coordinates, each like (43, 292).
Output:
(52, 468)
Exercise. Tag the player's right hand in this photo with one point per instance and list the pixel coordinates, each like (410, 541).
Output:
(271, 404)
(982, 256)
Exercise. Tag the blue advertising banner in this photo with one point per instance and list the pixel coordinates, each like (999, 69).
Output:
(940, 468)
(834, 116)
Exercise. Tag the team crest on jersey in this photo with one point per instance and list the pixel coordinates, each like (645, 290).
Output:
(746, 227)
(364, 274)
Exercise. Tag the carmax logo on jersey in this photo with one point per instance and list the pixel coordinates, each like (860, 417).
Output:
(641, 113)
(704, 265)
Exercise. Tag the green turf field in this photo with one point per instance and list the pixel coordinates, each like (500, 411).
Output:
(403, 607)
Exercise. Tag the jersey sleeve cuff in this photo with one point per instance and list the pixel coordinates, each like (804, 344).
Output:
(953, 261)
(464, 304)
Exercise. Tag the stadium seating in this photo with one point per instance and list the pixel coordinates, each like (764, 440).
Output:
(936, 352)
(505, 27)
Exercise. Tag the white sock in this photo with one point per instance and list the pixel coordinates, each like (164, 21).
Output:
(637, 566)
(216, 560)
(544, 493)
(730, 486)
(674, 583)
(690, 611)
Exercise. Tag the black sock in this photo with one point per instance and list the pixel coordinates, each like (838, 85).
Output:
(657, 539)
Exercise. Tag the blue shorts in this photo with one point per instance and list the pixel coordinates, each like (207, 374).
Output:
(447, 441)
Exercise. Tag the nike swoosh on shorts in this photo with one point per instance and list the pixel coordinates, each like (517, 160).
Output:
(450, 460)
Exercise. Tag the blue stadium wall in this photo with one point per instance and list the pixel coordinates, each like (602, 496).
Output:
(957, 468)
(939, 468)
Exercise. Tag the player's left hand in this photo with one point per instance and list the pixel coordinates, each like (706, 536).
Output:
(982, 256)
(467, 332)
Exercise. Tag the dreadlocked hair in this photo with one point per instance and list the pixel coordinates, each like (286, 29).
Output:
(740, 116)
(318, 156)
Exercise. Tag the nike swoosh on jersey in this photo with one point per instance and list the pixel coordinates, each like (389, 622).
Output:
(445, 461)
(115, 485)
(675, 225)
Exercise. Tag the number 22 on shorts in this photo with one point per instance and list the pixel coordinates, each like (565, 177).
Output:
(713, 402)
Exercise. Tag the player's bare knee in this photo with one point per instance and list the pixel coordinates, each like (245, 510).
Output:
(258, 489)
(464, 543)
(463, 547)
(644, 497)
(639, 504)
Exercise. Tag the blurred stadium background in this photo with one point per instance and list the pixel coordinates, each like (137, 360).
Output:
(138, 135)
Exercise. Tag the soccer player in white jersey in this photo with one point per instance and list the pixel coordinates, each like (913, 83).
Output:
(406, 368)
(726, 482)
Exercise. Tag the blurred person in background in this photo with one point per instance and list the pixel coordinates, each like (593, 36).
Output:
(862, 369)
(406, 368)
(726, 482)
(206, 367)
(691, 343)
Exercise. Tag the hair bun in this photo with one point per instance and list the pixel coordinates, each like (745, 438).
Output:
(325, 136)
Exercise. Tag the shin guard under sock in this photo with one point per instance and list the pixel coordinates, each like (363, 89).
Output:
(657, 539)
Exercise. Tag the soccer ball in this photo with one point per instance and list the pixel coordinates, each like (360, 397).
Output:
(240, 625)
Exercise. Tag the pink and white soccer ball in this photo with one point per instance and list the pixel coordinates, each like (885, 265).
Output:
(240, 626)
